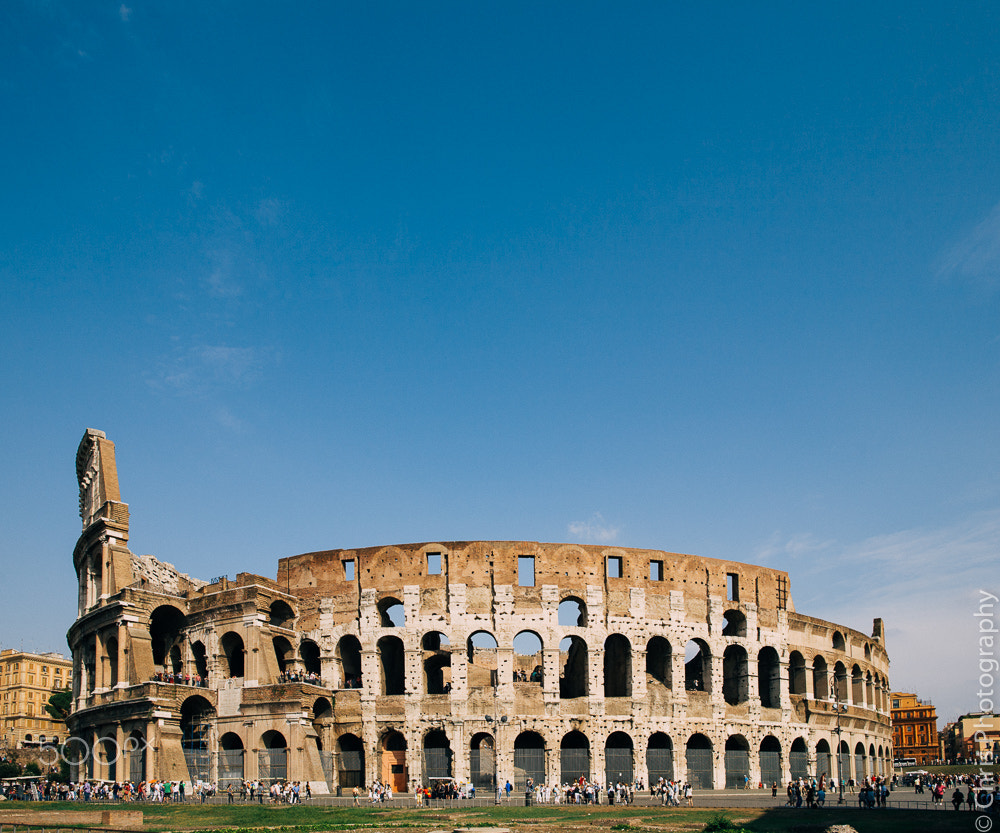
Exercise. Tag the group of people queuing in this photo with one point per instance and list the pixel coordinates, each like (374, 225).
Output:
(279, 792)
(180, 679)
(522, 676)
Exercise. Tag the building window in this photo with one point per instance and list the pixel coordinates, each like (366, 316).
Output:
(614, 566)
(526, 570)
(348, 569)
(732, 587)
(433, 563)
(656, 571)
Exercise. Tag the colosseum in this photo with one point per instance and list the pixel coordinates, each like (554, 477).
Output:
(481, 661)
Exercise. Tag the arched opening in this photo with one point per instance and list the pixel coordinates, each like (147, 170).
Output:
(392, 663)
(284, 655)
(195, 724)
(619, 760)
(697, 666)
(309, 654)
(798, 759)
(200, 661)
(839, 644)
(860, 762)
(574, 757)
(233, 653)
(873, 763)
(796, 673)
(737, 762)
(869, 690)
(176, 666)
(769, 678)
(391, 612)
(528, 657)
(166, 624)
(617, 666)
(572, 613)
(573, 680)
(821, 679)
(437, 756)
(700, 762)
(735, 682)
(770, 761)
(843, 761)
(857, 686)
(437, 663)
(840, 682)
(111, 647)
(481, 670)
(868, 651)
(280, 614)
(109, 752)
(660, 758)
(529, 759)
(272, 759)
(322, 722)
(231, 762)
(482, 761)
(824, 758)
(349, 654)
(659, 659)
(350, 761)
(135, 756)
(734, 623)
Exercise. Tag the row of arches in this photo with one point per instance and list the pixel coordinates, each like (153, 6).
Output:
(861, 688)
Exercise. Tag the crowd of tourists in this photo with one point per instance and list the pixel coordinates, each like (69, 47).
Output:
(299, 677)
(180, 679)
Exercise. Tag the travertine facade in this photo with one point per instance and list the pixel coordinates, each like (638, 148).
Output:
(474, 660)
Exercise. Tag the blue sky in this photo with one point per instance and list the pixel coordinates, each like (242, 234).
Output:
(710, 278)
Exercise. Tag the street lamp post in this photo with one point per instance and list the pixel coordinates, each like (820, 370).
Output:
(838, 707)
(497, 721)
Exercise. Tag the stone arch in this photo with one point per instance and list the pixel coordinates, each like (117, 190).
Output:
(735, 675)
(838, 642)
(233, 654)
(483, 761)
(857, 686)
(196, 717)
(659, 662)
(392, 613)
(574, 679)
(232, 762)
(529, 759)
(349, 653)
(322, 720)
(769, 678)
(135, 756)
(574, 757)
(310, 656)
(617, 666)
(659, 758)
(437, 755)
(737, 761)
(860, 762)
(796, 673)
(798, 758)
(697, 666)
(869, 690)
(283, 654)
(840, 685)
(619, 759)
(481, 668)
(436, 662)
(392, 664)
(700, 759)
(734, 623)
(200, 656)
(572, 612)
(821, 678)
(272, 759)
(111, 649)
(394, 767)
(166, 624)
(350, 761)
(770, 761)
(868, 652)
(824, 758)
(280, 614)
(528, 662)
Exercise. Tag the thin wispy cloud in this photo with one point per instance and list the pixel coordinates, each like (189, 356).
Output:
(795, 546)
(204, 368)
(593, 531)
(125, 13)
(977, 255)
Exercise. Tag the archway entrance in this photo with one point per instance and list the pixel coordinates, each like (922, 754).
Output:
(394, 770)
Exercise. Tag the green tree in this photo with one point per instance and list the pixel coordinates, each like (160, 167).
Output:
(9, 769)
(60, 704)
(32, 768)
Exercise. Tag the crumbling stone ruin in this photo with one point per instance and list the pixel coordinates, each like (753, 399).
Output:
(483, 661)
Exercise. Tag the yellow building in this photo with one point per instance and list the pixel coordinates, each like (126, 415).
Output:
(914, 728)
(977, 737)
(26, 683)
